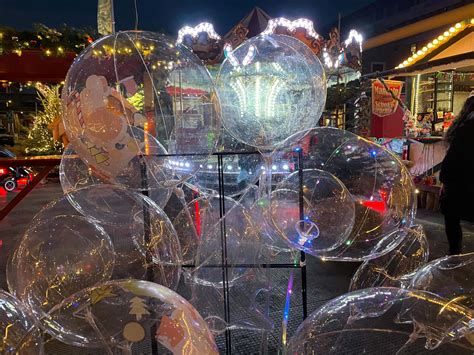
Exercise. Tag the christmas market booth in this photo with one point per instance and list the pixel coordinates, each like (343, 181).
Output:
(431, 87)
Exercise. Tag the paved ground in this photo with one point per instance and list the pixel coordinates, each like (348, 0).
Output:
(326, 280)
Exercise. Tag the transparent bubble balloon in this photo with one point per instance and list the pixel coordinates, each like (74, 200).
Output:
(129, 90)
(271, 87)
(74, 173)
(18, 328)
(58, 257)
(395, 268)
(118, 314)
(199, 229)
(451, 280)
(328, 211)
(380, 184)
(365, 322)
(145, 243)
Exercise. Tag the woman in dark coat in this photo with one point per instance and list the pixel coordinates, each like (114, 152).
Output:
(457, 176)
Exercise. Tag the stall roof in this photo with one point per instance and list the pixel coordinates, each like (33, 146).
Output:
(460, 62)
(454, 40)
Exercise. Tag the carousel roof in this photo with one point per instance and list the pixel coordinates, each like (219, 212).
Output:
(255, 22)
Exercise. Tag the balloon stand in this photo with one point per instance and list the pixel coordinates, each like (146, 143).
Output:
(225, 265)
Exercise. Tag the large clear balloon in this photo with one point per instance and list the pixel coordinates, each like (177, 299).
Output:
(18, 328)
(365, 321)
(118, 314)
(328, 211)
(199, 226)
(131, 92)
(271, 87)
(451, 280)
(145, 243)
(57, 257)
(380, 184)
(395, 268)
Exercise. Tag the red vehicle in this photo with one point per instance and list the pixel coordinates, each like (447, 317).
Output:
(11, 177)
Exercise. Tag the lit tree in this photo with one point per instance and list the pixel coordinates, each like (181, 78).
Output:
(40, 138)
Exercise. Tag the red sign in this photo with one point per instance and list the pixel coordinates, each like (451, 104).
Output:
(383, 104)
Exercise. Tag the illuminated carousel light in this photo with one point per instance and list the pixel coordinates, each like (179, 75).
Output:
(291, 26)
(249, 56)
(196, 30)
(229, 55)
(354, 35)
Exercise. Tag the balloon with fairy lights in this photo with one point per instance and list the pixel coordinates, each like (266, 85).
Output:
(379, 183)
(367, 322)
(271, 87)
(19, 331)
(119, 314)
(450, 280)
(135, 96)
(142, 234)
(398, 266)
(57, 257)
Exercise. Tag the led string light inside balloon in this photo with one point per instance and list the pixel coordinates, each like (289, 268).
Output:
(230, 56)
(194, 32)
(291, 26)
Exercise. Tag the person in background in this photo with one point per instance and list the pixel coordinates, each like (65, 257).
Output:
(457, 176)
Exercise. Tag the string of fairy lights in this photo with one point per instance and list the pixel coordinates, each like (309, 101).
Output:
(435, 43)
(49, 41)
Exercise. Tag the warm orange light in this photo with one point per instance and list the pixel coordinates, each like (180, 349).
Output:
(147, 143)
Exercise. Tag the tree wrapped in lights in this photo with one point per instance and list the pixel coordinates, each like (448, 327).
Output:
(40, 138)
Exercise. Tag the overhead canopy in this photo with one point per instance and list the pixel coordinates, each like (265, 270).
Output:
(460, 62)
(33, 65)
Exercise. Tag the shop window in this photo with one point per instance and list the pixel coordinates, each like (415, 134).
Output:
(377, 66)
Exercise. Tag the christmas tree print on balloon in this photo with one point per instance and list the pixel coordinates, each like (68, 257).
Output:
(134, 331)
(138, 307)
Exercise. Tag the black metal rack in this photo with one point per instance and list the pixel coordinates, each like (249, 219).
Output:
(223, 234)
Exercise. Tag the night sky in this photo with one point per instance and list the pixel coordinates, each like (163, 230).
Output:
(169, 15)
